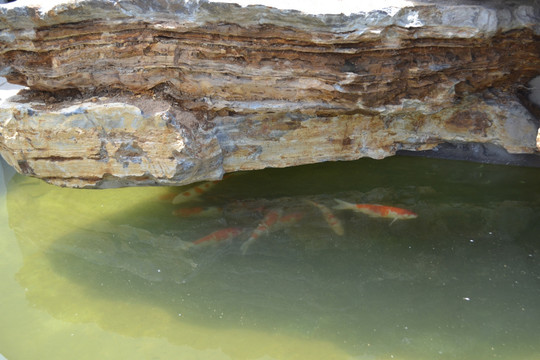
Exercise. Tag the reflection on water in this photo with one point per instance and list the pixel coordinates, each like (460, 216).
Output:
(462, 280)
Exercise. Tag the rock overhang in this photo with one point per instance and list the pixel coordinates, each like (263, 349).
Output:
(167, 93)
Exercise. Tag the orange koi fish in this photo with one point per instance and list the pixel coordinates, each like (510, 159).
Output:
(193, 192)
(197, 211)
(331, 219)
(374, 210)
(220, 235)
(263, 228)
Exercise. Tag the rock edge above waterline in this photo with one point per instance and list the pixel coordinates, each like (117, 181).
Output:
(134, 92)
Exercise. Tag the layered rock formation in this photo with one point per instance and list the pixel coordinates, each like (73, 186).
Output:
(139, 92)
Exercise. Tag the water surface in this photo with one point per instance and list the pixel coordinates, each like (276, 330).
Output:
(115, 274)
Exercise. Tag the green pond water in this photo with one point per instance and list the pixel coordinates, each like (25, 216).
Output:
(114, 274)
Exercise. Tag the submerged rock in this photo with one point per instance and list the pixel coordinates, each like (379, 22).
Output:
(139, 93)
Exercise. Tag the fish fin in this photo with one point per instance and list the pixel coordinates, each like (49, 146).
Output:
(246, 245)
(343, 205)
(393, 221)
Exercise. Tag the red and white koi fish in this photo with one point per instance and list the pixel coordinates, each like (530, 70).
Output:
(220, 235)
(198, 211)
(331, 219)
(263, 228)
(374, 210)
(193, 192)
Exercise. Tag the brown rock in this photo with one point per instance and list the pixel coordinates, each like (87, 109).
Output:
(132, 94)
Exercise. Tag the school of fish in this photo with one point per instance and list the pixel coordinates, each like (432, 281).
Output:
(273, 218)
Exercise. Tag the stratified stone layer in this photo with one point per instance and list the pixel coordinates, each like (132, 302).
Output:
(137, 93)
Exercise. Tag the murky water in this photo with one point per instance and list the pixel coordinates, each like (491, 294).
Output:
(115, 274)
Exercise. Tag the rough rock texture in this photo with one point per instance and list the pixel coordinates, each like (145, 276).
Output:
(140, 92)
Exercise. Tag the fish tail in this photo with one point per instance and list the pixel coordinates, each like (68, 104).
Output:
(342, 205)
(178, 199)
(202, 240)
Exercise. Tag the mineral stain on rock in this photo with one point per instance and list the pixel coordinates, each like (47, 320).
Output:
(475, 122)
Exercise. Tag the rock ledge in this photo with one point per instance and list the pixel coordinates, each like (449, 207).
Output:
(139, 92)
